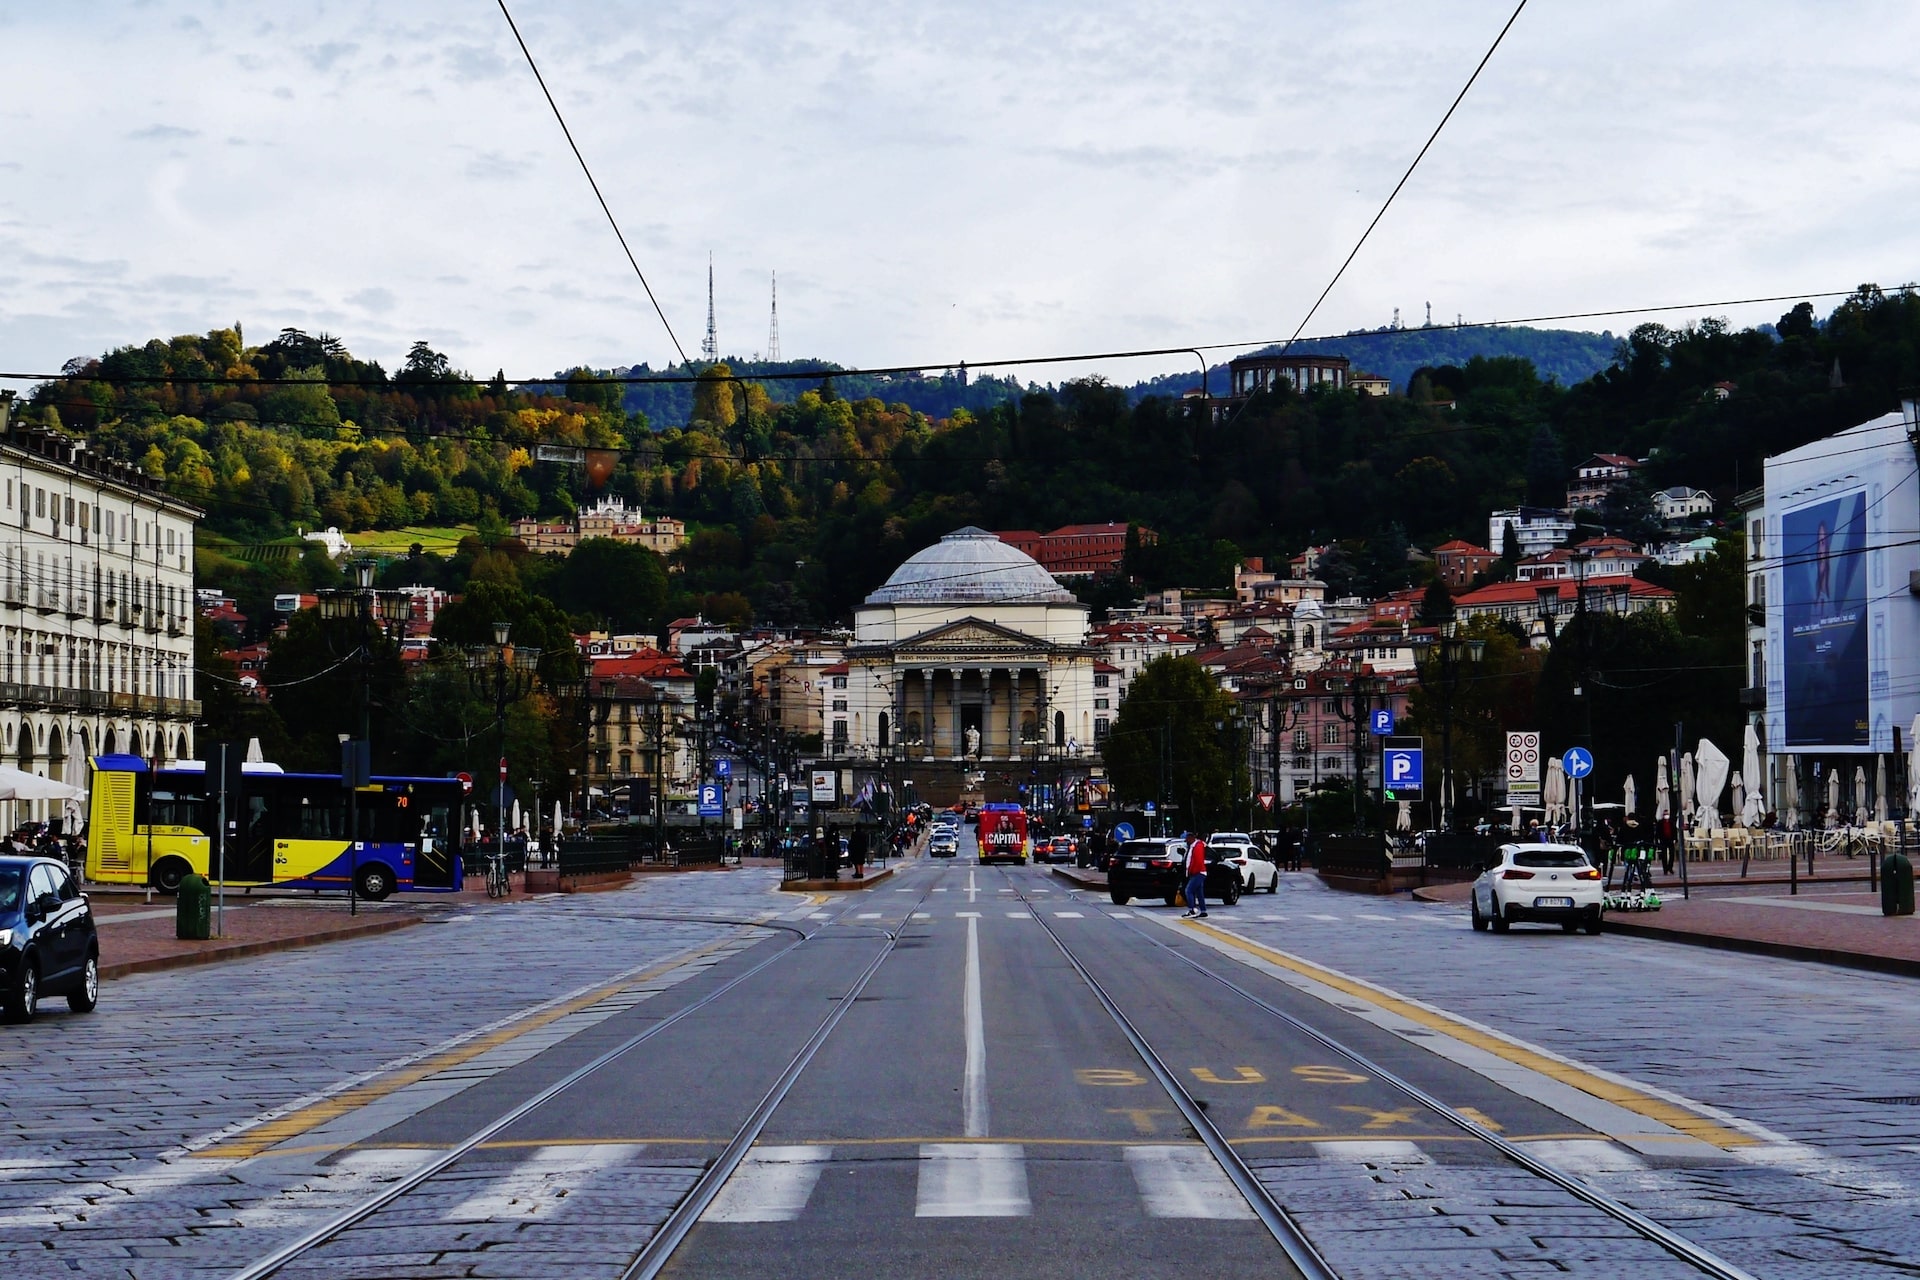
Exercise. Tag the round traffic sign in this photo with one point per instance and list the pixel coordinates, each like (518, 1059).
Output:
(1123, 831)
(1578, 762)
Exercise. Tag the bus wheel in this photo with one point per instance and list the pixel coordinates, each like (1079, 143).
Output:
(167, 875)
(376, 882)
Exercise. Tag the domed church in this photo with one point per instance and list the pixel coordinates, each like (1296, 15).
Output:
(972, 659)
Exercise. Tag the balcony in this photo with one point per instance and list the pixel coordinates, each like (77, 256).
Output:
(46, 601)
(1754, 697)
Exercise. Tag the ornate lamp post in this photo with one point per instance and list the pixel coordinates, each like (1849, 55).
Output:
(506, 675)
(368, 609)
(1451, 653)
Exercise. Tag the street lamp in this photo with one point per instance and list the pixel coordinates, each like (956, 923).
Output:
(1451, 653)
(367, 609)
(507, 674)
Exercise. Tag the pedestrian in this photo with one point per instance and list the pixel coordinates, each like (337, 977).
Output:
(1665, 831)
(1197, 878)
(857, 849)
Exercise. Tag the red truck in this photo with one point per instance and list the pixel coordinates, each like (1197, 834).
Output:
(1003, 833)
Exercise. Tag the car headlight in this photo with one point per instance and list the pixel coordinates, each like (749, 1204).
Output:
(6, 937)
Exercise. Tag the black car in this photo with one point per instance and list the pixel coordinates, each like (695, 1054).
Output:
(1158, 869)
(48, 944)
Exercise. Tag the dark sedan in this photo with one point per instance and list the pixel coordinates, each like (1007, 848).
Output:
(1158, 869)
(48, 944)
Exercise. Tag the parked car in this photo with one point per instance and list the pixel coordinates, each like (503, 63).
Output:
(1552, 883)
(48, 943)
(943, 844)
(1157, 868)
(1257, 871)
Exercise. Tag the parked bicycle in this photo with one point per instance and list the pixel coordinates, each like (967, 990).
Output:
(498, 885)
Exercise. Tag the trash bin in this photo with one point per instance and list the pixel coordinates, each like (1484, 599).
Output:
(193, 909)
(1896, 885)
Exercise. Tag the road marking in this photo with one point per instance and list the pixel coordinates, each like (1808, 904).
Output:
(1067, 915)
(973, 893)
(1328, 919)
(1019, 915)
(973, 1104)
(868, 915)
(539, 1184)
(1676, 1120)
(1122, 915)
(1184, 1182)
(1365, 915)
(1586, 1155)
(251, 1138)
(968, 1180)
(772, 1184)
(923, 915)
(1374, 1151)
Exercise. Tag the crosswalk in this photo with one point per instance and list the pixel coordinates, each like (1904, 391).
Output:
(1225, 916)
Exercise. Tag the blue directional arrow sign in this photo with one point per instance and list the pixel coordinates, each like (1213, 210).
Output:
(1578, 762)
(723, 768)
(710, 806)
(1382, 722)
(1403, 768)
(1148, 808)
(1123, 831)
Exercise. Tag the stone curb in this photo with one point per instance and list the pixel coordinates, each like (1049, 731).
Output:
(1897, 965)
(1080, 876)
(216, 952)
(829, 886)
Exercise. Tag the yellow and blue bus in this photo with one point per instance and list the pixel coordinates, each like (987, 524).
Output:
(287, 830)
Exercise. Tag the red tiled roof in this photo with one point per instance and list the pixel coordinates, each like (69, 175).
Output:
(1500, 593)
(1464, 547)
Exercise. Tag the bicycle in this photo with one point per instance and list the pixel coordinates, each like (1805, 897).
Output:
(498, 886)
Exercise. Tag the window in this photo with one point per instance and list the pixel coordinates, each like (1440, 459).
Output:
(1101, 728)
(1302, 740)
(1099, 704)
(1332, 707)
(70, 517)
(840, 682)
(1100, 679)
(839, 704)
(1332, 763)
(1303, 762)
(39, 502)
(840, 733)
(1330, 734)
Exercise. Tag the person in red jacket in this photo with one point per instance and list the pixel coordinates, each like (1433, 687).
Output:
(1197, 878)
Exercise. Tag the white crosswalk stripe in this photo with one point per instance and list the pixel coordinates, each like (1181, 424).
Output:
(972, 1180)
(772, 1184)
(1184, 1182)
(1067, 915)
(540, 1183)
(1586, 1155)
(1373, 1151)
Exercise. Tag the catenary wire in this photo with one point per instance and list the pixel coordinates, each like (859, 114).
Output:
(584, 168)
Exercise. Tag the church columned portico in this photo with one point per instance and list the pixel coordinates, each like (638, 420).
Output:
(988, 712)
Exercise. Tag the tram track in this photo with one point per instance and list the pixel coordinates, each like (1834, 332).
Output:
(1267, 1206)
(658, 1249)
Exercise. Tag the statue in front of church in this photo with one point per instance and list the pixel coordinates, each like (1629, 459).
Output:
(973, 741)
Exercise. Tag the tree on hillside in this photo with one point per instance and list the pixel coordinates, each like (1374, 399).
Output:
(1546, 469)
(1170, 743)
(1436, 605)
(621, 582)
(1628, 512)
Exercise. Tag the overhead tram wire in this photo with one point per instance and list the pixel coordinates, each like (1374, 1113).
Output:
(584, 168)
(558, 380)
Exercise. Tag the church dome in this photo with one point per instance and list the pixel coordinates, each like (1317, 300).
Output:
(971, 566)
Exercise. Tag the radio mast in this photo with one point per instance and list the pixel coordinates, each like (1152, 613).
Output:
(710, 345)
(773, 325)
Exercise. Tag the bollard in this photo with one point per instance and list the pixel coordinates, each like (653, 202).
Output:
(193, 914)
(1896, 885)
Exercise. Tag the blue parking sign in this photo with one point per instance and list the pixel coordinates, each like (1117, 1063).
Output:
(723, 768)
(710, 806)
(1403, 768)
(1382, 722)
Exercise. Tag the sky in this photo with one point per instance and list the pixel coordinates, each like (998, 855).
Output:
(933, 182)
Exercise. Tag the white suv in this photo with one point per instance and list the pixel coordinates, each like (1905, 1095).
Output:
(1256, 870)
(1553, 883)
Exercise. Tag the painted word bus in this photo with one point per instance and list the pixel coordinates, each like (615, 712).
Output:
(287, 830)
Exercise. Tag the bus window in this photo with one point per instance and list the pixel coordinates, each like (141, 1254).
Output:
(172, 807)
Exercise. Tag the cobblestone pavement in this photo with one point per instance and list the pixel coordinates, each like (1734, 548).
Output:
(1816, 1061)
(138, 1139)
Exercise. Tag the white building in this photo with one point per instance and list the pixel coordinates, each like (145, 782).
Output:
(96, 610)
(1538, 529)
(970, 655)
(1683, 503)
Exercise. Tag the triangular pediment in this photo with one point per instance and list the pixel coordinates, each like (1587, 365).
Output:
(970, 633)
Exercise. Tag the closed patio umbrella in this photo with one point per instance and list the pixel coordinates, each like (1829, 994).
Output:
(1790, 792)
(1662, 791)
(1686, 790)
(1913, 771)
(1859, 794)
(1555, 798)
(1833, 797)
(1404, 822)
(1740, 797)
(1751, 771)
(558, 818)
(1880, 789)
(1628, 793)
(1710, 779)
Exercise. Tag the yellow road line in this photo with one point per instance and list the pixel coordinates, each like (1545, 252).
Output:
(263, 1137)
(1620, 1095)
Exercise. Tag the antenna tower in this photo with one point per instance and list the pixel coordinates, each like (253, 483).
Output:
(773, 325)
(710, 345)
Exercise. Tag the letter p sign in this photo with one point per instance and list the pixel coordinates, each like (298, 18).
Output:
(1403, 769)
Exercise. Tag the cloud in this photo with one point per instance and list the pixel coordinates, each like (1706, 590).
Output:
(162, 133)
(495, 166)
(324, 57)
(377, 300)
(472, 62)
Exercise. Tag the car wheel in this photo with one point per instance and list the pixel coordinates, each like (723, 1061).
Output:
(1499, 920)
(167, 875)
(1593, 922)
(1569, 926)
(376, 882)
(1119, 899)
(84, 997)
(1273, 885)
(1479, 921)
(24, 1000)
(1232, 895)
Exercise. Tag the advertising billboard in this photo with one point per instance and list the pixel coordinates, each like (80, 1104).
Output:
(1824, 601)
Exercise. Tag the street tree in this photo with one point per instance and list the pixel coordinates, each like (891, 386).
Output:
(1172, 742)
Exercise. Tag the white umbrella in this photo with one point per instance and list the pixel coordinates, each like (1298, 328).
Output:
(1740, 796)
(516, 816)
(1859, 794)
(1662, 791)
(1630, 794)
(1750, 770)
(1516, 817)
(18, 784)
(1405, 821)
(1833, 797)
(558, 819)
(1710, 778)
(475, 812)
(1555, 798)
(254, 754)
(1686, 790)
(1913, 771)
(1880, 789)
(1790, 792)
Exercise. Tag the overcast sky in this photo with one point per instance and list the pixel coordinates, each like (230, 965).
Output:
(932, 181)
